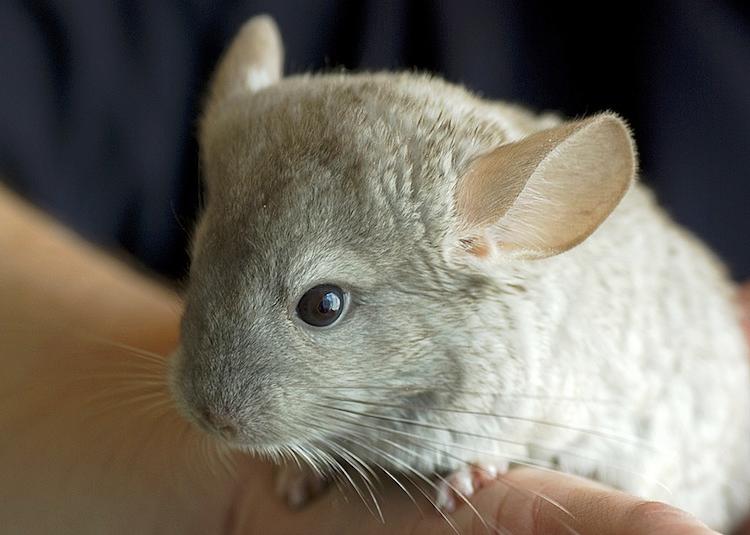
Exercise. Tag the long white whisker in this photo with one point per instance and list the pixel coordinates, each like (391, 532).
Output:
(519, 489)
(552, 502)
(517, 459)
(607, 434)
(355, 463)
(450, 485)
(417, 389)
(378, 451)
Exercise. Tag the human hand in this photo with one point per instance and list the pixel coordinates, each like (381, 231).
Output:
(524, 501)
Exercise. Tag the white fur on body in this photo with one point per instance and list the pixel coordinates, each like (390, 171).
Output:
(445, 360)
(650, 337)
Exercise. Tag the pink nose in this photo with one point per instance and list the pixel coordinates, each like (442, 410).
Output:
(219, 423)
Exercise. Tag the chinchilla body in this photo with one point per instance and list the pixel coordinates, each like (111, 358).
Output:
(639, 321)
(511, 296)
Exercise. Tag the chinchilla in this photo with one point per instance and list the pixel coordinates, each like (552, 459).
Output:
(392, 272)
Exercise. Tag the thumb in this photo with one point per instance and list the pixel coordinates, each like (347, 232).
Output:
(527, 501)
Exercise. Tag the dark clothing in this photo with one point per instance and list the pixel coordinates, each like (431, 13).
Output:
(98, 100)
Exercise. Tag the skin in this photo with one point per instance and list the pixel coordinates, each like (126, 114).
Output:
(152, 482)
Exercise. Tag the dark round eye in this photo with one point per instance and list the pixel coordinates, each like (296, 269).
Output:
(322, 305)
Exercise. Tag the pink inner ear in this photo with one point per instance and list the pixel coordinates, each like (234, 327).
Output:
(475, 246)
(547, 192)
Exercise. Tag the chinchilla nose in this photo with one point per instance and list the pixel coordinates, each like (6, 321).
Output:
(218, 423)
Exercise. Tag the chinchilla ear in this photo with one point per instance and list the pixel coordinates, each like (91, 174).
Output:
(253, 61)
(546, 193)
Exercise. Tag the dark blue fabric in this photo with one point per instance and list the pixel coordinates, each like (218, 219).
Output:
(98, 100)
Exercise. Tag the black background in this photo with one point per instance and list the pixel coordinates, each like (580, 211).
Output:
(98, 100)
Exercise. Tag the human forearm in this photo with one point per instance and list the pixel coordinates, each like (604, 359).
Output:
(49, 276)
(89, 442)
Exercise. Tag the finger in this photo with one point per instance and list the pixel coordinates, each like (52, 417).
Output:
(743, 297)
(527, 501)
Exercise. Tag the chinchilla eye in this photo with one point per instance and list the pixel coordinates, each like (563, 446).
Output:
(321, 306)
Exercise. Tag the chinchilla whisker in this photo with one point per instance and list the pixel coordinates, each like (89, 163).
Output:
(191, 449)
(325, 457)
(289, 456)
(464, 498)
(312, 461)
(357, 464)
(541, 496)
(296, 457)
(299, 450)
(273, 454)
(348, 478)
(341, 479)
(226, 459)
(293, 454)
(212, 459)
(145, 379)
(359, 491)
(363, 464)
(426, 425)
(199, 449)
(136, 351)
(266, 454)
(329, 443)
(332, 445)
(606, 434)
(137, 357)
(329, 460)
(387, 456)
(217, 451)
(147, 406)
(484, 393)
(87, 336)
(408, 467)
(206, 457)
(126, 387)
(520, 460)
(337, 468)
(400, 485)
(381, 453)
(116, 404)
(124, 396)
(418, 440)
(513, 487)
(280, 454)
(276, 455)
(125, 369)
(321, 457)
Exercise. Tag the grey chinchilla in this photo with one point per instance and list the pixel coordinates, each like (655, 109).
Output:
(390, 271)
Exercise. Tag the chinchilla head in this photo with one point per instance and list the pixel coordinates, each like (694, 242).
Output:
(354, 225)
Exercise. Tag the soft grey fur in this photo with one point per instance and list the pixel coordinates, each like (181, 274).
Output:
(351, 179)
